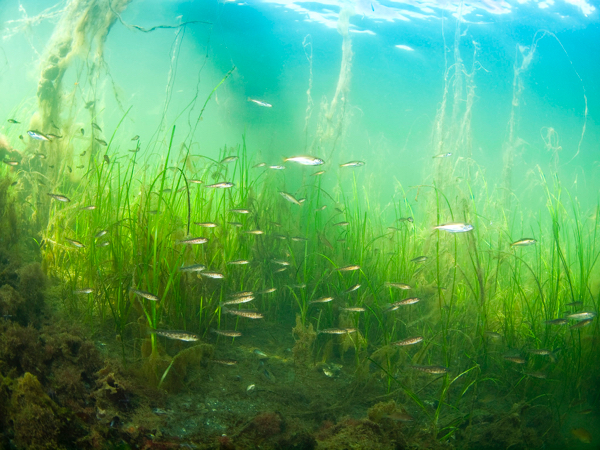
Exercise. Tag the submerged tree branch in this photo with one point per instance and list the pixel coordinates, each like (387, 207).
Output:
(157, 27)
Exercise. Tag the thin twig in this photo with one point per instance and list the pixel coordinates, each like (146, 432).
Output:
(148, 30)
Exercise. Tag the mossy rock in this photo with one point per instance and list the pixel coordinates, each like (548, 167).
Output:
(36, 418)
(380, 410)
(12, 305)
(186, 365)
(21, 350)
(354, 434)
(303, 348)
(32, 282)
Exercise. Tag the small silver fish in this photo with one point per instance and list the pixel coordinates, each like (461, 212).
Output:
(229, 159)
(83, 291)
(103, 143)
(316, 174)
(260, 164)
(85, 208)
(260, 103)
(408, 301)
(352, 289)
(99, 234)
(260, 353)
(178, 335)
(193, 241)
(277, 167)
(341, 224)
(305, 160)
(221, 185)
(240, 211)
(206, 224)
(9, 162)
(255, 232)
(240, 294)
(237, 301)
(523, 242)
(454, 227)
(225, 362)
(144, 294)
(238, 262)
(227, 333)
(397, 285)
(214, 275)
(353, 309)
(322, 300)
(434, 370)
(584, 315)
(353, 164)
(75, 243)
(540, 375)
(59, 197)
(409, 341)
(38, 136)
(493, 334)
(289, 197)
(347, 268)
(280, 262)
(443, 155)
(581, 323)
(244, 313)
(539, 351)
(337, 331)
(267, 291)
(557, 322)
(419, 259)
(325, 241)
(193, 268)
(515, 359)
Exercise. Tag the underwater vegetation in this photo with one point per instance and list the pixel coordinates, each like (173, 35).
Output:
(239, 302)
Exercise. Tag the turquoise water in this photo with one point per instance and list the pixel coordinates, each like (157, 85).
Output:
(393, 94)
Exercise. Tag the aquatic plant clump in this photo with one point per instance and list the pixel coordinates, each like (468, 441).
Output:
(338, 321)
